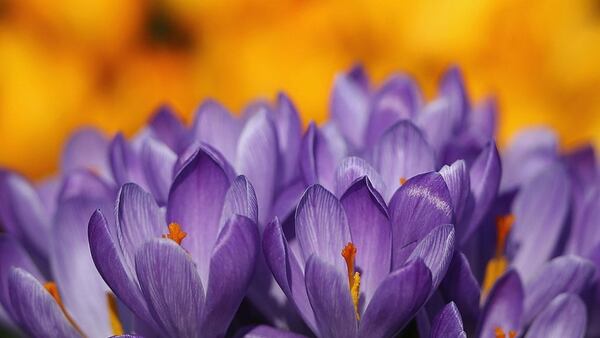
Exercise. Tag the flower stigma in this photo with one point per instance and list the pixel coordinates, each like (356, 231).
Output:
(500, 333)
(175, 233)
(349, 254)
(498, 264)
(403, 180)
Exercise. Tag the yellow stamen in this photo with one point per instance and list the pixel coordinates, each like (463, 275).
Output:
(403, 180)
(113, 315)
(349, 254)
(500, 333)
(53, 291)
(175, 233)
(498, 265)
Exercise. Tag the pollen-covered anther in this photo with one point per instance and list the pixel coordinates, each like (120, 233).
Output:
(349, 254)
(403, 180)
(175, 233)
(113, 315)
(498, 264)
(500, 333)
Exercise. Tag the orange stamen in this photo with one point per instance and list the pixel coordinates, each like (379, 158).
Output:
(498, 264)
(403, 180)
(349, 254)
(503, 226)
(113, 315)
(500, 333)
(53, 291)
(175, 233)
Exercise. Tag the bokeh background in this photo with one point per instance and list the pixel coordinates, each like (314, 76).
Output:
(68, 63)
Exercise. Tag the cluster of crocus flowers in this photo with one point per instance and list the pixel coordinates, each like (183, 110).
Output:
(399, 215)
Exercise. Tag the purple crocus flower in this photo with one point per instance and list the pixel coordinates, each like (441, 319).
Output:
(390, 262)
(183, 274)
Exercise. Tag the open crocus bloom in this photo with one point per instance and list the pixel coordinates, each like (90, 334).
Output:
(343, 271)
(183, 274)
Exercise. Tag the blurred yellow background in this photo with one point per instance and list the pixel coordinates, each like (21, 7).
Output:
(109, 63)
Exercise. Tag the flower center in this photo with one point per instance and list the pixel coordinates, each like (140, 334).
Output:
(497, 265)
(175, 233)
(500, 333)
(53, 291)
(349, 254)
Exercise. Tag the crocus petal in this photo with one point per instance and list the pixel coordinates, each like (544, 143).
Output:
(420, 205)
(353, 168)
(12, 254)
(158, 161)
(540, 209)
(452, 87)
(216, 126)
(289, 136)
(585, 230)
(371, 233)
(171, 285)
(82, 289)
(87, 149)
(231, 269)
(110, 264)
(565, 317)
(240, 200)
(166, 127)
(84, 182)
(349, 104)
(330, 299)
(448, 323)
(570, 274)
(38, 313)
(22, 214)
(396, 301)
(287, 271)
(503, 307)
(264, 331)
(530, 151)
(138, 220)
(124, 162)
(320, 154)
(257, 158)
(322, 226)
(483, 120)
(399, 98)
(287, 199)
(436, 123)
(484, 175)
(456, 177)
(436, 251)
(195, 203)
(402, 153)
(461, 287)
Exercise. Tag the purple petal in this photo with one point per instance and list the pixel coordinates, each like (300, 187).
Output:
(195, 203)
(124, 162)
(436, 123)
(565, 317)
(349, 105)
(240, 200)
(456, 177)
(257, 158)
(322, 226)
(82, 182)
(287, 271)
(264, 331)
(110, 264)
(87, 149)
(329, 296)
(570, 274)
(138, 220)
(287, 200)
(452, 87)
(319, 156)
(436, 251)
(353, 168)
(483, 120)
(231, 269)
(420, 205)
(396, 301)
(484, 175)
(503, 307)
(216, 126)
(540, 209)
(461, 287)
(37, 312)
(399, 98)
(402, 152)
(530, 151)
(23, 215)
(167, 128)
(371, 233)
(171, 286)
(585, 229)
(289, 135)
(158, 162)
(73, 266)
(448, 323)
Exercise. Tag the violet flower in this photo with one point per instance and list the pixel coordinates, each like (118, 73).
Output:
(191, 282)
